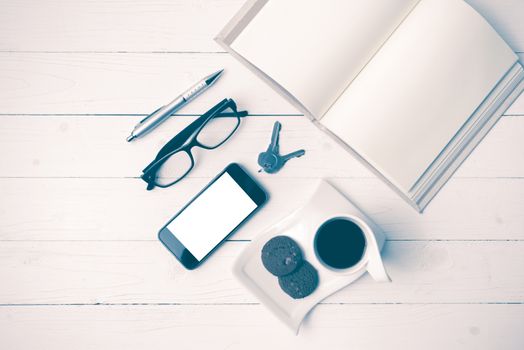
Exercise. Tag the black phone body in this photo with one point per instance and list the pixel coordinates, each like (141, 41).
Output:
(217, 211)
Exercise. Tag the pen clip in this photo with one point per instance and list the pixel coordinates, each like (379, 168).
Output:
(150, 114)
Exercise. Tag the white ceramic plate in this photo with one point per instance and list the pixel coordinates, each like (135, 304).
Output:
(301, 225)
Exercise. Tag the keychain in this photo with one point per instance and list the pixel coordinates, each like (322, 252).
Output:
(271, 161)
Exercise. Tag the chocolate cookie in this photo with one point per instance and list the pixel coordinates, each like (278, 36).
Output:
(301, 283)
(281, 255)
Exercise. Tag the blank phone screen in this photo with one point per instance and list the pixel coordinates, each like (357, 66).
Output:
(212, 216)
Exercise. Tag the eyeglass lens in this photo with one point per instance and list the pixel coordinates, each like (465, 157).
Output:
(174, 168)
(216, 131)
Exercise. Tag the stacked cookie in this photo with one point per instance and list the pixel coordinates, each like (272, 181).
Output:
(282, 257)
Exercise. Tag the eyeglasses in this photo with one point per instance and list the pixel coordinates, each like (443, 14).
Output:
(211, 130)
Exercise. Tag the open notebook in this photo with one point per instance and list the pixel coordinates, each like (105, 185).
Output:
(408, 86)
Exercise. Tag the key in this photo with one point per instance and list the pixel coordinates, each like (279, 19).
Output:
(270, 160)
(273, 145)
(296, 154)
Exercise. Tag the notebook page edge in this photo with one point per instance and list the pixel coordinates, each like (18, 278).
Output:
(424, 198)
(239, 21)
(232, 29)
(476, 122)
(273, 84)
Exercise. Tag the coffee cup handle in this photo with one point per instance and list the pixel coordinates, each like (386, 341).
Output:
(375, 266)
(377, 270)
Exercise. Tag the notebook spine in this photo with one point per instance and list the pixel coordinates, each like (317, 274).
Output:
(513, 90)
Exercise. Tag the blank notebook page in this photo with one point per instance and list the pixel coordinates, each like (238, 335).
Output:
(420, 88)
(314, 49)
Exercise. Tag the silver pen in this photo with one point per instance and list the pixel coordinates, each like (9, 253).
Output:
(157, 117)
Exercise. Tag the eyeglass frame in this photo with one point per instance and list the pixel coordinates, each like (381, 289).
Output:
(186, 139)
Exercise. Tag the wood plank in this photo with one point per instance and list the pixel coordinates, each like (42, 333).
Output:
(113, 26)
(145, 272)
(125, 83)
(96, 147)
(121, 209)
(141, 25)
(248, 326)
(109, 268)
(113, 83)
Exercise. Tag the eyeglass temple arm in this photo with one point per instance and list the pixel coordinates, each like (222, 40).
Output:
(240, 114)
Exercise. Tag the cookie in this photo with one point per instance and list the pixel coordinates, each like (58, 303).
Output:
(301, 283)
(281, 255)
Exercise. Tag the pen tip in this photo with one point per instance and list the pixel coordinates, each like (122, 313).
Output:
(130, 138)
(213, 77)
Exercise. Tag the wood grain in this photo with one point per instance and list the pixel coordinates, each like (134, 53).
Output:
(96, 147)
(121, 209)
(160, 26)
(145, 272)
(113, 83)
(78, 227)
(87, 83)
(250, 326)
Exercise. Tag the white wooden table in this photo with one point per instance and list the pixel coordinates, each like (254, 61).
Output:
(80, 264)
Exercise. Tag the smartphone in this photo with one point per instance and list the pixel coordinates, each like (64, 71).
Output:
(212, 216)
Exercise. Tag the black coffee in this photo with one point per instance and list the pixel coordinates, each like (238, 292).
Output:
(340, 243)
